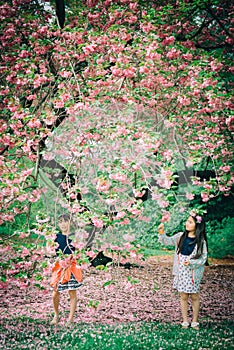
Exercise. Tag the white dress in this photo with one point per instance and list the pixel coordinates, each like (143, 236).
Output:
(187, 278)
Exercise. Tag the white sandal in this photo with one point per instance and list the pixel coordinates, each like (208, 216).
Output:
(195, 325)
(55, 320)
(184, 324)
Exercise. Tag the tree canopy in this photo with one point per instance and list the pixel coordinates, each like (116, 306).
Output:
(117, 106)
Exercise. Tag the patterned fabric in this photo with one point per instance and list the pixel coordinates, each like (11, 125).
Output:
(73, 284)
(186, 278)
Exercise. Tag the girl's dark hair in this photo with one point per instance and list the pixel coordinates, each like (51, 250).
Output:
(200, 233)
(65, 217)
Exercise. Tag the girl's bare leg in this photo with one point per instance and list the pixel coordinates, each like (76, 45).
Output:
(184, 305)
(56, 300)
(73, 304)
(195, 298)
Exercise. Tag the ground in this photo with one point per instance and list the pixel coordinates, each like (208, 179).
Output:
(122, 295)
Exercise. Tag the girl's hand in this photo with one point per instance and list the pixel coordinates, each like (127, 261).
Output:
(161, 229)
(186, 262)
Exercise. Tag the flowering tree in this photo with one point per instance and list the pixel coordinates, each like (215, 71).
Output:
(110, 108)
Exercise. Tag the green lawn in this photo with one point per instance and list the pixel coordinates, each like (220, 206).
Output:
(33, 334)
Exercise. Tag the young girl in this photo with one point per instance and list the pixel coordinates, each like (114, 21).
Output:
(189, 260)
(66, 275)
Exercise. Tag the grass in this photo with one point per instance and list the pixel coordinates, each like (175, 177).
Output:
(33, 334)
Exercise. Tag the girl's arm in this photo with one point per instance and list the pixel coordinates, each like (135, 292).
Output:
(201, 260)
(166, 240)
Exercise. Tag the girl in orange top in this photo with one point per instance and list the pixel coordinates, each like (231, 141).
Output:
(66, 275)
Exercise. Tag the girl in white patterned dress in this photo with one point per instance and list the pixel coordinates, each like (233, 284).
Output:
(189, 260)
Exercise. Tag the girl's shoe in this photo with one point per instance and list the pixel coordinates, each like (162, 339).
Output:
(55, 320)
(195, 325)
(185, 325)
(69, 323)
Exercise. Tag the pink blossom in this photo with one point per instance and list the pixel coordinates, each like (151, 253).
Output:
(187, 56)
(3, 285)
(23, 234)
(189, 196)
(163, 204)
(120, 215)
(97, 222)
(173, 53)
(144, 218)
(58, 104)
(164, 179)
(102, 185)
(138, 193)
(22, 197)
(126, 221)
(129, 72)
(89, 49)
(129, 238)
(168, 41)
(119, 177)
(225, 168)
(165, 216)
(129, 286)
(156, 196)
(27, 172)
(65, 74)
(185, 101)
(90, 254)
(79, 245)
(65, 263)
(134, 211)
(205, 197)
(168, 124)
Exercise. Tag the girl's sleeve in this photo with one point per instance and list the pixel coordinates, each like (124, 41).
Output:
(194, 263)
(166, 240)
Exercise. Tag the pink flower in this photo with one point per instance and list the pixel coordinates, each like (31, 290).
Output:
(225, 168)
(164, 179)
(97, 222)
(129, 238)
(165, 216)
(205, 197)
(58, 104)
(173, 53)
(129, 286)
(102, 185)
(134, 211)
(187, 56)
(189, 196)
(163, 204)
(65, 263)
(125, 222)
(65, 74)
(138, 193)
(120, 215)
(119, 177)
(168, 41)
